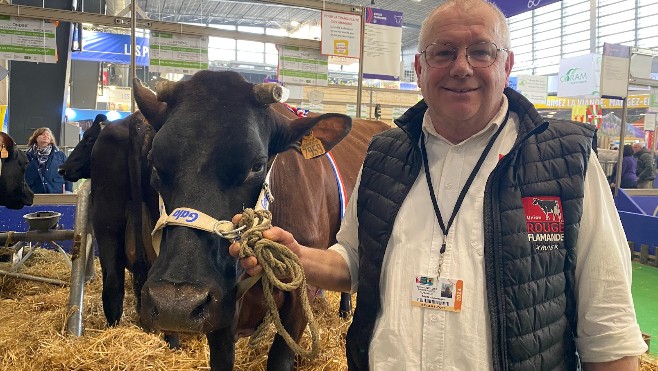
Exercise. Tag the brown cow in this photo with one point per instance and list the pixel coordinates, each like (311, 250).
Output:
(216, 136)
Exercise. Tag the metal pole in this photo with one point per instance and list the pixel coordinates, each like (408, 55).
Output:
(33, 278)
(79, 256)
(133, 68)
(37, 236)
(620, 155)
(360, 80)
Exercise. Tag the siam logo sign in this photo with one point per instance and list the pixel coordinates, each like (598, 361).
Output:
(580, 76)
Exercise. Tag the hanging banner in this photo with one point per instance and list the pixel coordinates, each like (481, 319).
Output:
(382, 43)
(173, 53)
(104, 44)
(27, 40)
(614, 70)
(302, 66)
(341, 34)
(579, 76)
(512, 8)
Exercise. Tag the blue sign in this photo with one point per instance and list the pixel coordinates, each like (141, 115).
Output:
(110, 47)
(513, 82)
(514, 7)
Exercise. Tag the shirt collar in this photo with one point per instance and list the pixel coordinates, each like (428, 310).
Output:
(430, 131)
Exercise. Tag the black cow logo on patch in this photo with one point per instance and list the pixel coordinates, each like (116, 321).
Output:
(549, 207)
(545, 222)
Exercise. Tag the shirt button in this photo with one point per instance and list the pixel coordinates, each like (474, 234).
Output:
(449, 186)
(434, 318)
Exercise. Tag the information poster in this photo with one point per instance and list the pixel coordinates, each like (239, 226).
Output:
(27, 40)
(535, 88)
(341, 34)
(350, 110)
(653, 100)
(614, 70)
(302, 66)
(382, 43)
(173, 53)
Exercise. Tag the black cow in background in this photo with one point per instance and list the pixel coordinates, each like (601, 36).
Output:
(14, 192)
(124, 207)
(78, 165)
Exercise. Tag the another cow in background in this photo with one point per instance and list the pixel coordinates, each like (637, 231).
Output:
(14, 192)
(78, 165)
(216, 139)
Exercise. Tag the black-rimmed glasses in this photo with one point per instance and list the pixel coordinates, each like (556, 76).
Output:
(478, 55)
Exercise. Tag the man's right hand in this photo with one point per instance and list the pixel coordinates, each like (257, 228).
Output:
(250, 264)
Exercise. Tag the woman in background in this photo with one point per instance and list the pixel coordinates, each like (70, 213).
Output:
(44, 160)
(628, 167)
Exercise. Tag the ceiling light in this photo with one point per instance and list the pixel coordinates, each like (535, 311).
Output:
(294, 23)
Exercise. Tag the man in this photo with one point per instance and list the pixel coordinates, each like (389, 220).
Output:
(476, 191)
(645, 171)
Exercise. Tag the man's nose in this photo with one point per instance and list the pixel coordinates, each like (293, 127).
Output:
(460, 66)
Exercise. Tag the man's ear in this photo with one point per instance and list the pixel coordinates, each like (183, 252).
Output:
(417, 67)
(509, 63)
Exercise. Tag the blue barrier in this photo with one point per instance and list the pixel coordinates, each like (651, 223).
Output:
(636, 210)
(12, 220)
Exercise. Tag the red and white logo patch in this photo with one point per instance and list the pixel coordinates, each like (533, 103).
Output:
(544, 221)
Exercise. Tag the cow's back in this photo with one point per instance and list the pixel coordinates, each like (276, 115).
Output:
(307, 203)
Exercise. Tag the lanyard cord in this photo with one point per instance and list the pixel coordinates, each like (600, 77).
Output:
(445, 229)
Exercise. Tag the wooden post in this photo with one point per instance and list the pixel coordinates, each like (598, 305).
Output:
(644, 254)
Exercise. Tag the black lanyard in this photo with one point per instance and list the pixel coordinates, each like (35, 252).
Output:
(467, 185)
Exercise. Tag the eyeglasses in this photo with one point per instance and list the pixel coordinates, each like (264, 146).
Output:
(478, 55)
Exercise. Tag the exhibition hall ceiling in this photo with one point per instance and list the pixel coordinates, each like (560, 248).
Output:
(255, 13)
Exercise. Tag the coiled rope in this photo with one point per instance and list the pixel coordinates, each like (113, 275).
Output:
(277, 261)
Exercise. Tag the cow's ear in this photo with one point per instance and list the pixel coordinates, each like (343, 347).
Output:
(154, 110)
(328, 129)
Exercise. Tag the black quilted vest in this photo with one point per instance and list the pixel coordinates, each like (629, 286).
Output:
(532, 305)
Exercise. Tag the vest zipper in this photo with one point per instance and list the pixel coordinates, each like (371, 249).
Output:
(493, 260)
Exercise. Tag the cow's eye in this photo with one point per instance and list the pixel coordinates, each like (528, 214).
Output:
(257, 168)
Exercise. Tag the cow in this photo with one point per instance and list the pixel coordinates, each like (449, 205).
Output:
(123, 205)
(14, 192)
(78, 165)
(549, 207)
(216, 138)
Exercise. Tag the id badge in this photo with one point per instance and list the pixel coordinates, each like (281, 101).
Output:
(438, 293)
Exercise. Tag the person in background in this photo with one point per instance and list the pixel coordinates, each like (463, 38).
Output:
(474, 189)
(44, 159)
(628, 170)
(645, 170)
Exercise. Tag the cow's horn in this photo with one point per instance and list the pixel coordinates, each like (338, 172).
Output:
(165, 90)
(268, 93)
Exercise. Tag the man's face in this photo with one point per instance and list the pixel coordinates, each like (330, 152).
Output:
(460, 94)
(636, 147)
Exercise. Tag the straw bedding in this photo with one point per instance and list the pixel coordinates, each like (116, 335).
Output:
(33, 335)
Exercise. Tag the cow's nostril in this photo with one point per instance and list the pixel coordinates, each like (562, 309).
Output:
(198, 311)
(61, 171)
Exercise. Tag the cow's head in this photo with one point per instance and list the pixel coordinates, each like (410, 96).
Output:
(78, 164)
(14, 192)
(216, 136)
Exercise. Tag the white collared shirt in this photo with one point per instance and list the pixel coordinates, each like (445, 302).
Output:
(413, 338)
